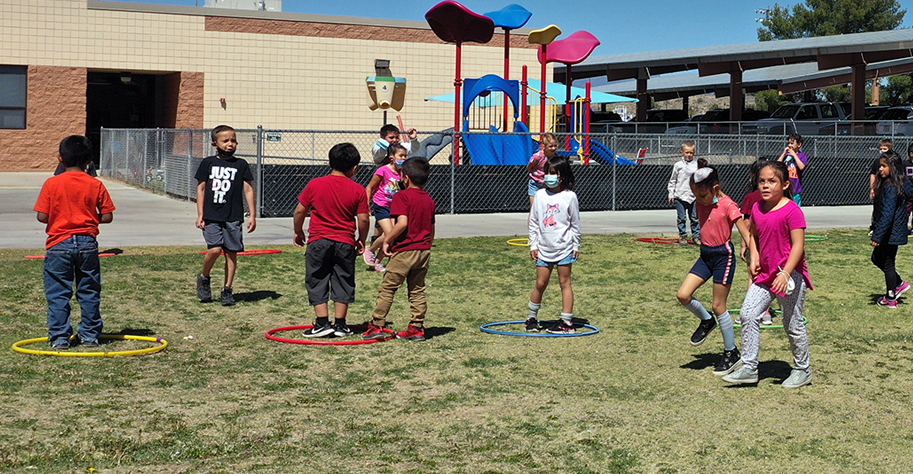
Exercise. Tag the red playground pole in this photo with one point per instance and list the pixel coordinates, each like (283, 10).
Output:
(542, 94)
(523, 107)
(506, 72)
(457, 82)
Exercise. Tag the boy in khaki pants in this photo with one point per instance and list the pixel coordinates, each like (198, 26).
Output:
(409, 248)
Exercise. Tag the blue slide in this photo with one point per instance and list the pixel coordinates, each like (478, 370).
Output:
(501, 149)
(602, 153)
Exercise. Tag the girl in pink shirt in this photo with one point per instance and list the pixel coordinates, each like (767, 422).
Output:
(383, 185)
(779, 271)
(716, 213)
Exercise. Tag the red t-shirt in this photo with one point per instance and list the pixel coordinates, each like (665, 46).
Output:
(418, 207)
(334, 201)
(74, 202)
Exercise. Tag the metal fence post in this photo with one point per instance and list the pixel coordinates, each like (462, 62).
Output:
(614, 167)
(259, 183)
(453, 173)
(189, 169)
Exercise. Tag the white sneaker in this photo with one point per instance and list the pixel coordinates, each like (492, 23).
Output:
(798, 378)
(766, 319)
(742, 376)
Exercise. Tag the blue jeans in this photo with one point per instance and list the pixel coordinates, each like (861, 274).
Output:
(74, 259)
(681, 209)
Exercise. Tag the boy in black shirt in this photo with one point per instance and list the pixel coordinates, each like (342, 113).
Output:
(220, 210)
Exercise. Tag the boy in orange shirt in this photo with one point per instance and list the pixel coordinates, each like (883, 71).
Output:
(72, 204)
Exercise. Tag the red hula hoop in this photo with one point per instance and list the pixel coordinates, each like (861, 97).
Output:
(658, 240)
(326, 342)
(107, 254)
(253, 252)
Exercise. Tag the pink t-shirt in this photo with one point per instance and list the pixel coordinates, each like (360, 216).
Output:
(749, 200)
(387, 188)
(773, 239)
(716, 221)
(538, 173)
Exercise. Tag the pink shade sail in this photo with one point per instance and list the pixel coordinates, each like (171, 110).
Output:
(571, 50)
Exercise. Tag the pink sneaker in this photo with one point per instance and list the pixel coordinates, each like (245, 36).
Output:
(369, 256)
(884, 301)
(379, 268)
(901, 289)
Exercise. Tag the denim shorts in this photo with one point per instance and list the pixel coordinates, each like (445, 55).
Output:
(718, 262)
(380, 212)
(564, 261)
(532, 186)
(224, 234)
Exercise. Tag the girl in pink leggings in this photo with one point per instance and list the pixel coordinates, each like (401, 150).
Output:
(778, 270)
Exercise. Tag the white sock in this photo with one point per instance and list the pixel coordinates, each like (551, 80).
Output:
(698, 309)
(568, 318)
(534, 310)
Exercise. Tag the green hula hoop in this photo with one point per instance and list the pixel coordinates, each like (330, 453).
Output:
(518, 242)
(149, 350)
(768, 326)
(815, 238)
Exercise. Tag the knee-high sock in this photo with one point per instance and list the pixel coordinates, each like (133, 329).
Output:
(697, 308)
(725, 322)
(534, 310)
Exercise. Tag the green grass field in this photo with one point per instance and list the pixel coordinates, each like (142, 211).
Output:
(635, 398)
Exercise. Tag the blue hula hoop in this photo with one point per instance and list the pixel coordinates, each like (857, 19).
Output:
(487, 328)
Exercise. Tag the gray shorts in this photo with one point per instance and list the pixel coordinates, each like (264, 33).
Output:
(224, 234)
(329, 272)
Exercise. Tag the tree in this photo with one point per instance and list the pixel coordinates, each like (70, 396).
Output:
(898, 90)
(830, 17)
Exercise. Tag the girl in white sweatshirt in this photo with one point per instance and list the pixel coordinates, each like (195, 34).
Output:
(554, 239)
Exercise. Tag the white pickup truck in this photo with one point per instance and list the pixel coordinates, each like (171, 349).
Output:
(805, 118)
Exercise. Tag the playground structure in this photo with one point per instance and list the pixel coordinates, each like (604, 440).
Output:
(452, 22)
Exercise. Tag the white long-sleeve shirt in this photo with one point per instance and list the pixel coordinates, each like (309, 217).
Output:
(680, 182)
(554, 225)
(379, 150)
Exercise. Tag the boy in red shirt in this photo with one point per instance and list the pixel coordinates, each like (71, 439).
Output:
(334, 202)
(72, 204)
(409, 248)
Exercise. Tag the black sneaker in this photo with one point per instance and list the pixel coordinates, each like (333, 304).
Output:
(318, 330)
(204, 291)
(60, 344)
(228, 298)
(532, 325)
(341, 329)
(561, 327)
(731, 360)
(702, 331)
(89, 342)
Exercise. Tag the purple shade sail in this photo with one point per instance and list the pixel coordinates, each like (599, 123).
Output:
(455, 23)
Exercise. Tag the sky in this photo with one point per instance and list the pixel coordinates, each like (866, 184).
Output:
(622, 26)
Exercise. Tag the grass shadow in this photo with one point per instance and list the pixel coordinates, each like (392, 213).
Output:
(257, 295)
(115, 251)
(702, 361)
(432, 332)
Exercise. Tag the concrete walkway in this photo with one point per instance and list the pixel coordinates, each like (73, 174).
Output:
(146, 219)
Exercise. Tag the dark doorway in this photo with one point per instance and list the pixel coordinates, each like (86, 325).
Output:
(119, 100)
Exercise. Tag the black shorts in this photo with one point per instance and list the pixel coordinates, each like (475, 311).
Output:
(718, 262)
(330, 267)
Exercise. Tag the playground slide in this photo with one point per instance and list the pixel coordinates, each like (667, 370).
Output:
(607, 156)
(501, 149)
(481, 149)
(435, 143)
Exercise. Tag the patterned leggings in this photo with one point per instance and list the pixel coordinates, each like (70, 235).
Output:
(757, 300)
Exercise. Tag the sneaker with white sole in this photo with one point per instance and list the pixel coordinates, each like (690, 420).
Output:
(319, 330)
(767, 319)
(379, 268)
(562, 327)
(370, 257)
(798, 378)
(730, 361)
(702, 331)
(901, 289)
(532, 325)
(885, 301)
(742, 376)
(341, 329)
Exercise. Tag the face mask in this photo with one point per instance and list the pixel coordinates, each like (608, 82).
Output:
(224, 154)
(399, 162)
(716, 199)
(551, 180)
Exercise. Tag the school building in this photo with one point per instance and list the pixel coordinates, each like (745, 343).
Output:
(74, 66)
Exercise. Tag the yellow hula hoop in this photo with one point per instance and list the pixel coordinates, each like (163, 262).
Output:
(149, 350)
(518, 242)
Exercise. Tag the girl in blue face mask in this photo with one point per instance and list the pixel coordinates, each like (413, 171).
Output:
(716, 213)
(554, 240)
(383, 185)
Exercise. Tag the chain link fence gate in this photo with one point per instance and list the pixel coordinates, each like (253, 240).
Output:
(283, 161)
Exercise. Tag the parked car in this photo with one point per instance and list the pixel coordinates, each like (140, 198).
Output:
(805, 118)
(715, 121)
(872, 113)
(896, 121)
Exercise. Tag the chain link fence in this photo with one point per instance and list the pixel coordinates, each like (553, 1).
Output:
(283, 161)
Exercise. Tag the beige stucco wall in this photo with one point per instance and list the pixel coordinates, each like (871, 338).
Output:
(270, 73)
